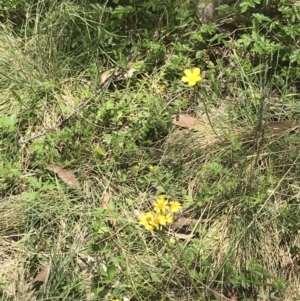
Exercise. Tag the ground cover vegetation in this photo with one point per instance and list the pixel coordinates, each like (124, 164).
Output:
(149, 150)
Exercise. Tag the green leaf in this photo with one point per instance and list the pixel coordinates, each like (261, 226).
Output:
(4, 171)
(8, 122)
(95, 247)
(100, 150)
(30, 196)
(111, 271)
(260, 18)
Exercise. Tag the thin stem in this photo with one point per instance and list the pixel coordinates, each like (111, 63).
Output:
(197, 93)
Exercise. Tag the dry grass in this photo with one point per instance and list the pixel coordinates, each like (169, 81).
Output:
(12, 214)
(243, 233)
(249, 199)
(13, 273)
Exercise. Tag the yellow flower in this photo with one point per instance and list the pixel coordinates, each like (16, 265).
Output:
(149, 227)
(192, 76)
(169, 218)
(115, 300)
(161, 205)
(146, 220)
(161, 88)
(175, 206)
(172, 241)
(161, 197)
(151, 168)
(159, 220)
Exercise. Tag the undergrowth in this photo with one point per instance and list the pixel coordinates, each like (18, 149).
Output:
(92, 104)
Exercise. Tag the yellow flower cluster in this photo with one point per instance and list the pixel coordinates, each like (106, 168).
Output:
(163, 214)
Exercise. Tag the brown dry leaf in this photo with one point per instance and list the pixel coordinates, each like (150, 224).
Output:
(109, 73)
(187, 121)
(132, 67)
(130, 72)
(67, 176)
(185, 221)
(104, 203)
(206, 10)
(187, 237)
(282, 126)
(40, 278)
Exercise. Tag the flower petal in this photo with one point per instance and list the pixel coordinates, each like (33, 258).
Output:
(188, 72)
(184, 79)
(169, 218)
(161, 197)
(149, 227)
(196, 71)
(175, 206)
(162, 220)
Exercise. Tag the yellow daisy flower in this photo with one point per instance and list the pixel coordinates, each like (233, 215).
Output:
(159, 220)
(146, 218)
(192, 76)
(175, 206)
(161, 205)
(169, 218)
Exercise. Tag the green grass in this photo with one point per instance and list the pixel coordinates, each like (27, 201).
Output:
(236, 179)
